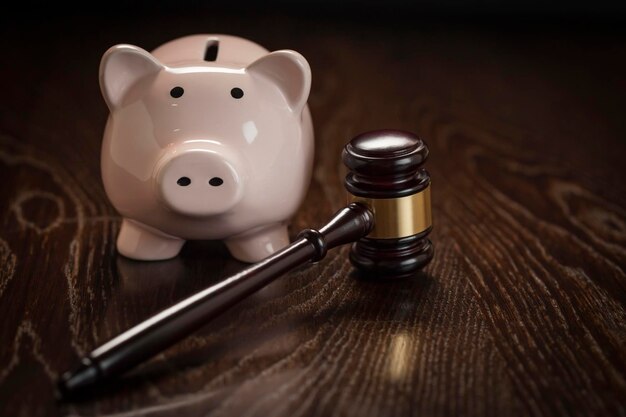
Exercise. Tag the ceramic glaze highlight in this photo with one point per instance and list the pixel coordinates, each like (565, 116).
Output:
(197, 149)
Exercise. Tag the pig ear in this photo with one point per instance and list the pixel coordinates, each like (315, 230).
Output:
(290, 71)
(121, 67)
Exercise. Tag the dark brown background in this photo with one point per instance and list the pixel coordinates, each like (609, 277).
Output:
(520, 313)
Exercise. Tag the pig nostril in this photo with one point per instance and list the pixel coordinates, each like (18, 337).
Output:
(216, 181)
(183, 181)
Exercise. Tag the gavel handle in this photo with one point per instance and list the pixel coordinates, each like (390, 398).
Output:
(157, 333)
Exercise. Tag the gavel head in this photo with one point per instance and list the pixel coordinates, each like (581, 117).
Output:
(386, 175)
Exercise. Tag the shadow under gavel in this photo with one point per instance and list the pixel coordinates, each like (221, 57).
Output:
(387, 220)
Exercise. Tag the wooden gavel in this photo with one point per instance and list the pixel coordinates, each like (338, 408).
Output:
(388, 219)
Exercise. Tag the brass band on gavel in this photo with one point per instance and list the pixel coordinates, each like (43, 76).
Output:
(398, 217)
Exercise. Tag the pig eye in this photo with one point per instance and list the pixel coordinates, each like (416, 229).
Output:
(183, 181)
(177, 92)
(236, 92)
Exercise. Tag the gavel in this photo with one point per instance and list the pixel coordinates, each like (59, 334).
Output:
(387, 220)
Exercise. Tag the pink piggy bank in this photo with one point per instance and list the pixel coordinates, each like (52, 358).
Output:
(209, 137)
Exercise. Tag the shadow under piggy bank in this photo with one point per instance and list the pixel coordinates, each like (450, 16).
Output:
(199, 265)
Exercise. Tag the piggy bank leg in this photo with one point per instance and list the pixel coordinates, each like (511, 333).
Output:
(257, 244)
(141, 242)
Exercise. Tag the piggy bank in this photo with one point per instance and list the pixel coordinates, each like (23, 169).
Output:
(209, 137)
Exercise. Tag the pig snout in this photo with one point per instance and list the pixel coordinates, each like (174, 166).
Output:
(199, 181)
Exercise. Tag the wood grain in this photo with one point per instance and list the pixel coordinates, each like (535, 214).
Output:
(521, 312)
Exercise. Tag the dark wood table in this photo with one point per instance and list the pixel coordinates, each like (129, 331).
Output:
(522, 311)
